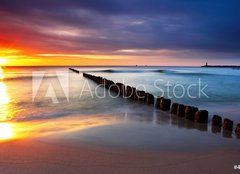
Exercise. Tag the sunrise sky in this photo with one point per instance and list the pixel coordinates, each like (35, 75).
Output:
(119, 32)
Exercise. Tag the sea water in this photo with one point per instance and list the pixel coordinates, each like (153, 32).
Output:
(139, 124)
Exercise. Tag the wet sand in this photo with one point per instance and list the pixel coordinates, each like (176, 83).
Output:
(37, 156)
(105, 144)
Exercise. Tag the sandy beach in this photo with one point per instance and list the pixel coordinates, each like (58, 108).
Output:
(36, 156)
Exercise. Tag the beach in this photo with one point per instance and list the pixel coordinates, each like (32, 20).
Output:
(36, 156)
(108, 144)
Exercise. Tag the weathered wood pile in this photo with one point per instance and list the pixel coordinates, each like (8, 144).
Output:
(74, 70)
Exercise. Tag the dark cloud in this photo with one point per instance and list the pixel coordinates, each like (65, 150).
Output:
(110, 25)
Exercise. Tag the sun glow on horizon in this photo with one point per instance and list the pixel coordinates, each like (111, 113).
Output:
(121, 57)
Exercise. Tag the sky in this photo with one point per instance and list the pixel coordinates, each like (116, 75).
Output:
(120, 32)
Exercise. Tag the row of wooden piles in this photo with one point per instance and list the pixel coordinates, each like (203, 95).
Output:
(188, 112)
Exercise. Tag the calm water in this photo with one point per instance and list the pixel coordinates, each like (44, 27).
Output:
(136, 123)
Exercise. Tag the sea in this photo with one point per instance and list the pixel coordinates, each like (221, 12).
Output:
(40, 95)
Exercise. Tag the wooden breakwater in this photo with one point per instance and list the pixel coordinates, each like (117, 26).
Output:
(190, 113)
(74, 70)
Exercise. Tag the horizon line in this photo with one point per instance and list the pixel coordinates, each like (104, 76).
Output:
(100, 66)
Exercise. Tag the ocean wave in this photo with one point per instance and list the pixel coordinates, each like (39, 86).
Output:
(46, 116)
(23, 78)
(190, 73)
(165, 71)
(128, 71)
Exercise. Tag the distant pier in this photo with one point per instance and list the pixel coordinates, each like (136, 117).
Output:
(221, 66)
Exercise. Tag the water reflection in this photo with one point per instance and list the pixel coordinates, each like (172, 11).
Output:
(216, 129)
(4, 102)
(3, 94)
(227, 134)
(1, 74)
(183, 123)
(32, 129)
(6, 131)
(157, 117)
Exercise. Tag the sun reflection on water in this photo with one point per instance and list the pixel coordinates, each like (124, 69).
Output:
(31, 129)
(4, 98)
(4, 102)
(12, 128)
(6, 131)
(1, 73)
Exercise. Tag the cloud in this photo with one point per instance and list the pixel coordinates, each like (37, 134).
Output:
(199, 28)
